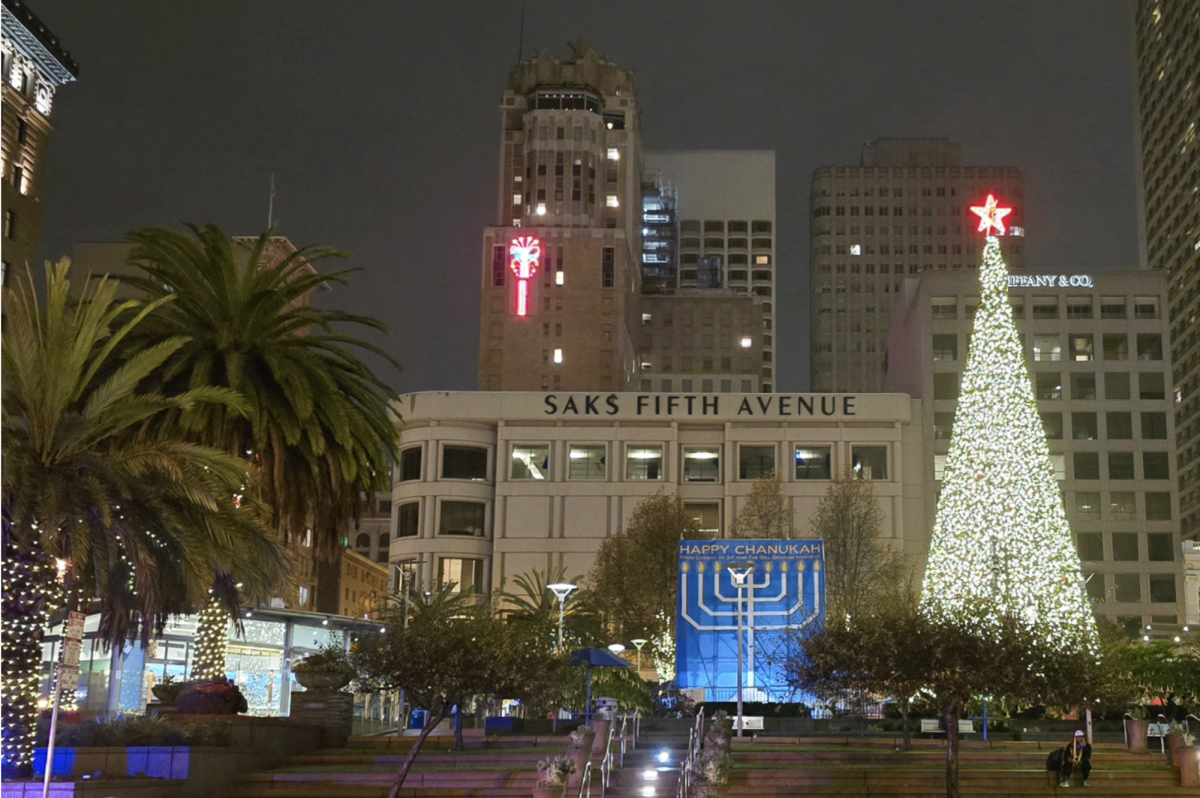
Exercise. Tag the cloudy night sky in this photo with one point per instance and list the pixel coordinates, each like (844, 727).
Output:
(381, 123)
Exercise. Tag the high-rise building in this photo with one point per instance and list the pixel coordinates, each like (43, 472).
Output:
(33, 65)
(561, 265)
(1095, 346)
(724, 201)
(1167, 34)
(903, 210)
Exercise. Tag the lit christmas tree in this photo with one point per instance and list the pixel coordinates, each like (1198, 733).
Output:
(1001, 538)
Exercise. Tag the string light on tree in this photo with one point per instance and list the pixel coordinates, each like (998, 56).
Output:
(1000, 536)
(212, 640)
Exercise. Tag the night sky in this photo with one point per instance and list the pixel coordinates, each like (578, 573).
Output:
(380, 121)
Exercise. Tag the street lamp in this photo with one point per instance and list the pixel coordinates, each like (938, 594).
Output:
(561, 590)
(638, 642)
(616, 648)
(740, 572)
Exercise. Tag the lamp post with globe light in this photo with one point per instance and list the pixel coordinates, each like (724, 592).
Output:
(638, 642)
(740, 571)
(561, 590)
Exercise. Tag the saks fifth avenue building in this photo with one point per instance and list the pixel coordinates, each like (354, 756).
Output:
(493, 485)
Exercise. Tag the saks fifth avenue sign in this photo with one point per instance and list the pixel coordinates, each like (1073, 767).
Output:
(1050, 281)
(711, 405)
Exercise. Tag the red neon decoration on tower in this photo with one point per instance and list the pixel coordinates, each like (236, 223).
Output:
(524, 257)
(991, 215)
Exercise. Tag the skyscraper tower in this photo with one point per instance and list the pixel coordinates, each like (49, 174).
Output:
(34, 65)
(1168, 78)
(900, 212)
(560, 274)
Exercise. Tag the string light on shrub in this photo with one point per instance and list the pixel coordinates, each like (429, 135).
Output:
(1000, 536)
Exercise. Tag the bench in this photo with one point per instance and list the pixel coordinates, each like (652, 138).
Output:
(934, 726)
(749, 722)
(1158, 729)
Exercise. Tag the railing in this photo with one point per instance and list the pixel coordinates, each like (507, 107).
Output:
(695, 736)
(1187, 726)
(606, 762)
(585, 782)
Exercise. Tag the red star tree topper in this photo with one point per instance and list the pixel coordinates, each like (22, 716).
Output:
(991, 215)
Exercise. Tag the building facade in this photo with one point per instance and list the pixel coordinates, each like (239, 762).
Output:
(902, 211)
(561, 267)
(726, 235)
(364, 586)
(1167, 36)
(1096, 348)
(33, 64)
(492, 485)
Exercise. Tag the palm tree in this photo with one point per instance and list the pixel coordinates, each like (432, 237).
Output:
(318, 428)
(92, 488)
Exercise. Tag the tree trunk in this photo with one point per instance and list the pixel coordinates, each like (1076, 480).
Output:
(950, 718)
(458, 736)
(27, 583)
(907, 728)
(329, 582)
(430, 725)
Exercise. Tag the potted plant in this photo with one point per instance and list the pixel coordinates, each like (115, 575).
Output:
(1187, 758)
(552, 777)
(1136, 728)
(579, 748)
(710, 772)
(168, 689)
(328, 669)
(1175, 734)
(719, 734)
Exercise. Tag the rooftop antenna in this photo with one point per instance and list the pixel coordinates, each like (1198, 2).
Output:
(271, 204)
(521, 36)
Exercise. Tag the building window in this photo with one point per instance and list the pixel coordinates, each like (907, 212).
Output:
(1084, 427)
(701, 464)
(462, 518)
(1127, 587)
(408, 520)
(530, 461)
(1160, 547)
(558, 356)
(1091, 547)
(464, 462)
(1156, 465)
(1162, 589)
(1120, 426)
(1145, 307)
(1047, 348)
(1125, 547)
(362, 541)
(1087, 505)
(587, 461)
(1122, 505)
(756, 462)
(1059, 463)
(465, 575)
(1079, 308)
(302, 595)
(410, 464)
(607, 267)
(1112, 307)
(1149, 346)
(611, 201)
(1083, 386)
(1082, 347)
(1116, 347)
(644, 462)
(1158, 506)
(499, 266)
(1120, 465)
(1053, 424)
(10, 223)
(1045, 307)
(707, 516)
(1087, 465)
(869, 462)
(945, 347)
(1154, 426)
(945, 307)
(1116, 385)
(1048, 385)
(1151, 385)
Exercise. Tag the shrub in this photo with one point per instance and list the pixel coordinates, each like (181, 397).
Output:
(126, 731)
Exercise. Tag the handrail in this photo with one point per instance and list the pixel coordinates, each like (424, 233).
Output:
(621, 738)
(1187, 726)
(585, 782)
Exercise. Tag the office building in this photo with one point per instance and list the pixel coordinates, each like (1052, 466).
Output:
(902, 211)
(1167, 36)
(725, 205)
(1096, 350)
(489, 486)
(561, 265)
(33, 65)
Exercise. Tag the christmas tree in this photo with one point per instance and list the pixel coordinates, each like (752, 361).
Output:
(1001, 540)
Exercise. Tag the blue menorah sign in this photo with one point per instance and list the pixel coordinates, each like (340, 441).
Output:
(777, 589)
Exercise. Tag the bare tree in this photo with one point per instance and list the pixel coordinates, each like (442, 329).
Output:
(767, 513)
(859, 565)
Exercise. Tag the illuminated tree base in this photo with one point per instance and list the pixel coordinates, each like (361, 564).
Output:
(212, 641)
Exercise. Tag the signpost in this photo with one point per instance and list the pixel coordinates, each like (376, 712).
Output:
(68, 679)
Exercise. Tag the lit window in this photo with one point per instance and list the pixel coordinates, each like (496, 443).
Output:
(813, 462)
(614, 154)
(747, 342)
(558, 278)
(530, 462)
(762, 260)
(516, 199)
(702, 464)
(643, 462)
(541, 209)
(557, 355)
(302, 595)
(869, 462)
(587, 462)
(855, 249)
(612, 201)
(647, 318)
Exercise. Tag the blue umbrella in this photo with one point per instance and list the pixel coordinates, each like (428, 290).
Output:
(595, 658)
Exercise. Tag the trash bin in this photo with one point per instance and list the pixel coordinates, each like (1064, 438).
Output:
(419, 718)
